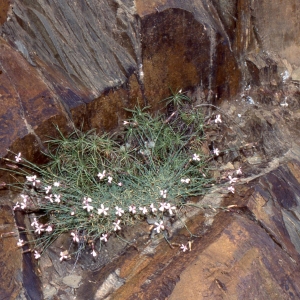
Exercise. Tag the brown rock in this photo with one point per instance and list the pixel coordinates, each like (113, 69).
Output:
(10, 256)
(249, 252)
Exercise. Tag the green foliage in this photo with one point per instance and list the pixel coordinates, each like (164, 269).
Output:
(149, 165)
(177, 99)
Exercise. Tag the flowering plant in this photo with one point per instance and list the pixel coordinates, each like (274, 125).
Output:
(94, 185)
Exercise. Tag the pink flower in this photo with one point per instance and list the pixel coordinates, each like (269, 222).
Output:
(101, 175)
(86, 204)
(57, 198)
(104, 237)
(20, 243)
(37, 255)
(163, 206)
(239, 171)
(153, 209)
(117, 225)
(18, 157)
(39, 229)
(183, 247)
(49, 228)
(144, 210)
(218, 119)
(75, 237)
(109, 179)
(231, 189)
(64, 255)
(119, 211)
(16, 206)
(187, 180)
(163, 193)
(216, 151)
(34, 223)
(232, 180)
(196, 157)
(159, 226)
(103, 210)
(49, 198)
(33, 179)
(132, 209)
(48, 188)
(88, 207)
(170, 208)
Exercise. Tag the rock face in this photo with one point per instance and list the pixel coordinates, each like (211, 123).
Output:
(65, 62)
(79, 63)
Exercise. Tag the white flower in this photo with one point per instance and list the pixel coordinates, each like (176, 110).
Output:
(49, 198)
(25, 197)
(183, 247)
(103, 210)
(187, 180)
(39, 229)
(56, 183)
(18, 157)
(232, 180)
(101, 175)
(218, 119)
(33, 180)
(144, 210)
(23, 205)
(48, 188)
(104, 237)
(163, 206)
(159, 226)
(49, 228)
(109, 179)
(63, 255)
(86, 204)
(16, 206)
(284, 104)
(117, 225)
(20, 243)
(119, 211)
(170, 208)
(86, 200)
(75, 237)
(239, 171)
(57, 198)
(126, 122)
(216, 151)
(94, 253)
(163, 193)
(36, 255)
(120, 184)
(34, 223)
(132, 209)
(88, 207)
(153, 209)
(196, 157)
(231, 189)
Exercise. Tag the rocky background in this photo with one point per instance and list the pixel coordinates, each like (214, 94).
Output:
(81, 62)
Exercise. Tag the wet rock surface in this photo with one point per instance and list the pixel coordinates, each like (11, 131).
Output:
(79, 63)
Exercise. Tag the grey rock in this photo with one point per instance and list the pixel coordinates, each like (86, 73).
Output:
(72, 281)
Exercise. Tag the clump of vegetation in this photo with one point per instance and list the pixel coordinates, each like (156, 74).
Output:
(94, 185)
